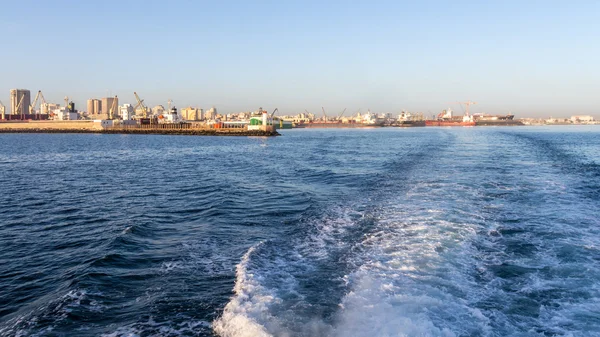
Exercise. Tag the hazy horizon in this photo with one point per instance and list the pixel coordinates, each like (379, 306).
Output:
(534, 59)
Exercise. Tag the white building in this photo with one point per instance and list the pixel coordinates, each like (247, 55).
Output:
(211, 113)
(126, 112)
(582, 119)
(63, 114)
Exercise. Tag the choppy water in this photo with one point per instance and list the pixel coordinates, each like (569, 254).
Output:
(375, 232)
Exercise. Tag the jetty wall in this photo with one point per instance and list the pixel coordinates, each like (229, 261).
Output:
(96, 127)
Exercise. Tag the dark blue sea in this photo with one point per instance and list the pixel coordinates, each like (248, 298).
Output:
(485, 231)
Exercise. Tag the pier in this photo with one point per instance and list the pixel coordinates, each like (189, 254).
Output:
(155, 129)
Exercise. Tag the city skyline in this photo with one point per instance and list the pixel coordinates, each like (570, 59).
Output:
(534, 60)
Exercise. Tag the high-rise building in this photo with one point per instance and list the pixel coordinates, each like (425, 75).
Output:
(15, 97)
(211, 113)
(191, 114)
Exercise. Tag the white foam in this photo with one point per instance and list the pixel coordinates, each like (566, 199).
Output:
(251, 311)
(247, 312)
(391, 292)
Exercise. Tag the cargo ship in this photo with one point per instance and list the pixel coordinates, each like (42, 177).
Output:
(332, 125)
(445, 118)
(361, 121)
(406, 119)
(497, 120)
(410, 123)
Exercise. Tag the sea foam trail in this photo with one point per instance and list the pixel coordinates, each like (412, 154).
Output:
(297, 287)
(469, 244)
(498, 255)
(282, 286)
(248, 306)
(406, 286)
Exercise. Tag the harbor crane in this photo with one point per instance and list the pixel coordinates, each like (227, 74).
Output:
(467, 104)
(18, 107)
(341, 114)
(43, 103)
(140, 105)
(324, 114)
(273, 113)
(113, 109)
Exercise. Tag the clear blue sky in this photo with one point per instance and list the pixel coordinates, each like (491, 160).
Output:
(532, 58)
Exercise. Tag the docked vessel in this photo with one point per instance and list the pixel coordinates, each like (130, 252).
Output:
(410, 123)
(445, 118)
(496, 120)
(406, 119)
(486, 117)
(371, 119)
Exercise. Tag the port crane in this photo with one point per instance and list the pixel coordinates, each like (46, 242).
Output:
(18, 107)
(273, 113)
(140, 105)
(43, 103)
(467, 104)
(339, 117)
(325, 118)
(113, 109)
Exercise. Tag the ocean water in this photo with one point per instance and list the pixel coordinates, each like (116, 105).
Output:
(374, 232)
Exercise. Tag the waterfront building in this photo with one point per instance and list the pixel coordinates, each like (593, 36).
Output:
(94, 106)
(67, 113)
(97, 106)
(90, 106)
(211, 113)
(107, 103)
(191, 114)
(126, 112)
(582, 119)
(15, 97)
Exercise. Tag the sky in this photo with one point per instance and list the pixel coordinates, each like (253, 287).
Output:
(530, 58)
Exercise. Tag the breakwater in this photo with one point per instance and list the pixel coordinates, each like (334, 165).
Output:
(189, 132)
(160, 129)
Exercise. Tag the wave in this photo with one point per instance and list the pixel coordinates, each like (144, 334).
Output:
(248, 307)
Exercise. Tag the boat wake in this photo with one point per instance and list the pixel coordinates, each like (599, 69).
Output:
(438, 255)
